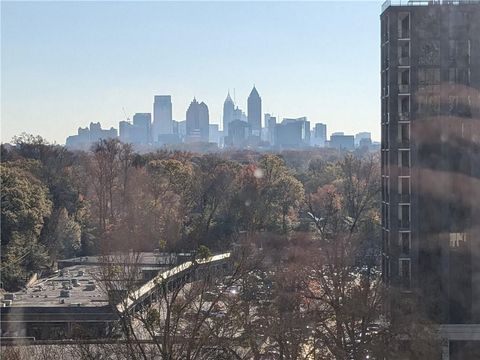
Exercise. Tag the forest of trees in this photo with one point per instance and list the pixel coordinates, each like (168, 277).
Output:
(58, 204)
(309, 222)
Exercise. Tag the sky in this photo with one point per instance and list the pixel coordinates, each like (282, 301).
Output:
(66, 64)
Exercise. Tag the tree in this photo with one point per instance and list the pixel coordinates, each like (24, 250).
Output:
(25, 204)
(342, 281)
(268, 192)
(24, 207)
(104, 170)
(65, 235)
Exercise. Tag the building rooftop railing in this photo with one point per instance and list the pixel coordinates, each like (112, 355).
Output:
(389, 3)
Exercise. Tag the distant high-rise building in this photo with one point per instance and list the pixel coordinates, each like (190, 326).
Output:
(341, 141)
(270, 122)
(430, 73)
(319, 135)
(362, 136)
(239, 114)
(292, 133)
(87, 136)
(254, 111)
(144, 122)
(238, 134)
(125, 131)
(162, 116)
(214, 134)
(197, 122)
(228, 112)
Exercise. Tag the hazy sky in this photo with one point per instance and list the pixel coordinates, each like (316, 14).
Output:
(65, 64)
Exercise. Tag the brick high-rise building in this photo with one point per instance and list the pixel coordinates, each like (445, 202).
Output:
(430, 82)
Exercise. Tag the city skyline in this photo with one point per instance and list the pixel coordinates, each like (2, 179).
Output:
(53, 89)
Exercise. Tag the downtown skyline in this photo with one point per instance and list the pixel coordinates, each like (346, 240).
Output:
(97, 58)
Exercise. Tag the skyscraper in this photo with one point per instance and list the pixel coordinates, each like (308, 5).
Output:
(292, 133)
(144, 122)
(162, 116)
(430, 76)
(270, 122)
(362, 136)
(319, 135)
(228, 112)
(197, 122)
(254, 112)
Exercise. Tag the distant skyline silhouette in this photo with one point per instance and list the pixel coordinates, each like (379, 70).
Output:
(66, 64)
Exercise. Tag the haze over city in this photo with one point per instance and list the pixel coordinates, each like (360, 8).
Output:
(303, 62)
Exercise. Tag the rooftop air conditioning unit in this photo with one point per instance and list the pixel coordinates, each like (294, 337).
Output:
(9, 296)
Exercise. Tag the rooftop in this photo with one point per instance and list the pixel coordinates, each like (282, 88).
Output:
(153, 259)
(389, 3)
(73, 286)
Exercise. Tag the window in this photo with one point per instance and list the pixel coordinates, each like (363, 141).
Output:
(457, 239)
(403, 25)
(429, 76)
(403, 134)
(404, 242)
(404, 216)
(404, 158)
(404, 107)
(404, 53)
(404, 81)
(429, 104)
(429, 53)
(459, 76)
(404, 189)
(459, 51)
(404, 272)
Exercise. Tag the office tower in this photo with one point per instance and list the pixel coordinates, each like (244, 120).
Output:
(270, 123)
(239, 114)
(162, 116)
(340, 141)
(319, 135)
(125, 132)
(254, 112)
(292, 133)
(87, 136)
(228, 113)
(214, 134)
(197, 122)
(362, 136)
(238, 134)
(143, 121)
(430, 78)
